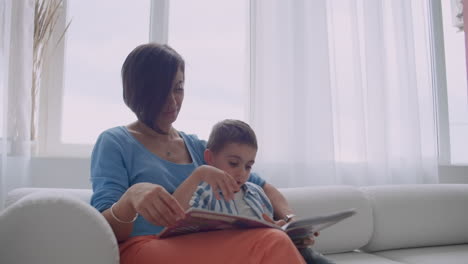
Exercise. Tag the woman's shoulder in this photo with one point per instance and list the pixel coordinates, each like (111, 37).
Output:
(117, 131)
(116, 135)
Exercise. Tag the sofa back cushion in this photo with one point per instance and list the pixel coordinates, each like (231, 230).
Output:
(348, 235)
(421, 215)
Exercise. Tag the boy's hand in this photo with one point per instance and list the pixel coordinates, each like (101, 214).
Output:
(306, 242)
(219, 181)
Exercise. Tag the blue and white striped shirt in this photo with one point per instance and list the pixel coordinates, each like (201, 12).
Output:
(254, 197)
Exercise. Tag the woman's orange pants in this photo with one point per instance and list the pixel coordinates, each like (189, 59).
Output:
(255, 246)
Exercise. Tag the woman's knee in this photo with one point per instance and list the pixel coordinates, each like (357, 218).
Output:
(276, 237)
(277, 247)
(277, 234)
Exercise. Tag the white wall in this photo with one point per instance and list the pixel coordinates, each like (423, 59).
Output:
(74, 173)
(60, 172)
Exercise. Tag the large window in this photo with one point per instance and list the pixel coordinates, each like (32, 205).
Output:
(213, 37)
(214, 45)
(99, 38)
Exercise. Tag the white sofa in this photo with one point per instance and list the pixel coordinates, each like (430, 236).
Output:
(394, 224)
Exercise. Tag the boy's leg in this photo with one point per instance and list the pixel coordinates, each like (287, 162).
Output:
(312, 257)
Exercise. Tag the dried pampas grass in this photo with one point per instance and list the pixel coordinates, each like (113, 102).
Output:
(46, 14)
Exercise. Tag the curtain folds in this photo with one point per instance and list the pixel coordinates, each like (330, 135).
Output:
(16, 48)
(342, 92)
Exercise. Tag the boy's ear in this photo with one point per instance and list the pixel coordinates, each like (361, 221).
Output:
(208, 155)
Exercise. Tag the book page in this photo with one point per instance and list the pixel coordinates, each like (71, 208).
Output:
(306, 227)
(199, 220)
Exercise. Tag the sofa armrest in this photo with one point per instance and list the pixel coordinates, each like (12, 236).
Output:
(55, 228)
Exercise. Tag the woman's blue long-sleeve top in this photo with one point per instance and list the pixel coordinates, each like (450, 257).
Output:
(119, 161)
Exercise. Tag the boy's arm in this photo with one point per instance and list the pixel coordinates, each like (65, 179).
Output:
(280, 204)
(183, 194)
(221, 181)
(212, 176)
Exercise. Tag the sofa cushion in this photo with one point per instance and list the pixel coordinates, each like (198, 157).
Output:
(360, 258)
(457, 254)
(345, 236)
(418, 215)
(45, 226)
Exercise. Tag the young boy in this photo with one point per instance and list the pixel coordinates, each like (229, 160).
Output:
(232, 147)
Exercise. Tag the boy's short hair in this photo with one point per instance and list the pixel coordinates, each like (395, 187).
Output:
(231, 131)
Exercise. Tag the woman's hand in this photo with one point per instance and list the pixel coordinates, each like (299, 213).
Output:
(278, 223)
(219, 181)
(300, 243)
(155, 204)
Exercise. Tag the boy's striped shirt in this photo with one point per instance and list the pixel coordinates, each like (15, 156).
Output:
(253, 197)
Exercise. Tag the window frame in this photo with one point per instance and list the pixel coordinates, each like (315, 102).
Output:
(50, 107)
(439, 81)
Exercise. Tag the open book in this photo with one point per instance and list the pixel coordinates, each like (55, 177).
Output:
(199, 220)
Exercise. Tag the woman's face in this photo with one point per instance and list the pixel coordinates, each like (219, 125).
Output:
(171, 108)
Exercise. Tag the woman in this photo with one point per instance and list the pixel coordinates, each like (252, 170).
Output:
(136, 168)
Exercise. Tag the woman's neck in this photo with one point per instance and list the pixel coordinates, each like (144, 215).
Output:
(171, 133)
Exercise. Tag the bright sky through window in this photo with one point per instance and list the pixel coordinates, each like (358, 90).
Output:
(98, 41)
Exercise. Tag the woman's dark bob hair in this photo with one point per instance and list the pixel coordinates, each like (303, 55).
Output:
(147, 76)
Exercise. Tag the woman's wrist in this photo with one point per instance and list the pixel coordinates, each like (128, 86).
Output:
(123, 209)
(119, 218)
(289, 218)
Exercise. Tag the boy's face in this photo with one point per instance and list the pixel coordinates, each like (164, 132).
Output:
(235, 159)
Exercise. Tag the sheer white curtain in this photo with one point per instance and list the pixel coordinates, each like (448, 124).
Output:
(342, 92)
(16, 47)
(465, 28)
